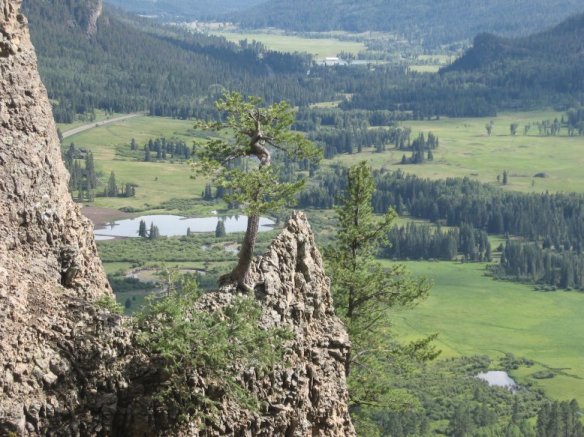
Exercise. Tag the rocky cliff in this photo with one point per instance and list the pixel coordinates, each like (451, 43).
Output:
(306, 395)
(47, 252)
(69, 367)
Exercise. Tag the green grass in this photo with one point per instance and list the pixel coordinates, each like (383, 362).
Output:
(99, 116)
(318, 47)
(157, 182)
(476, 315)
(425, 68)
(116, 267)
(466, 150)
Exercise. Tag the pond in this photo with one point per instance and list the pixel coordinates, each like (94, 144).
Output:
(498, 378)
(174, 225)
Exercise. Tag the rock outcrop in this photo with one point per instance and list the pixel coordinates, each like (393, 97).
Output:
(307, 395)
(70, 367)
(48, 256)
(95, 12)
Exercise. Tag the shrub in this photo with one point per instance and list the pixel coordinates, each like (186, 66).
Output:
(197, 344)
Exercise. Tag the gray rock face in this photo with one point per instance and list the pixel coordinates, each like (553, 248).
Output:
(308, 395)
(70, 368)
(47, 252)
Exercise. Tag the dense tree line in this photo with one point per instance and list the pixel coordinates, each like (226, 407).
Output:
(418, 242)
(530, 262)
(422, 147)
(314, 118)
(575, 121)
(83, 177)
(113, 189)
(162, 148)
(559, 418)
(351, 140)
(554, 220)
(427, 96)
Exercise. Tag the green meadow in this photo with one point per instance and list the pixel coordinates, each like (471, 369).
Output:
(477, 315)
(99, 116)
(318, 47)
(157, 181)
(467, 151)
(472, 313)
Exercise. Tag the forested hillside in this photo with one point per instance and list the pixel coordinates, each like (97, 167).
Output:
(127, 66)
(184, 9)
(544, 69)
(553, 59)
(433, 23)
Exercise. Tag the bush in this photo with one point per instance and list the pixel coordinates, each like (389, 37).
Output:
(194, 343)
(543, 374)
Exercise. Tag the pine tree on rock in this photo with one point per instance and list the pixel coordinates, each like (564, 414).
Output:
(256, 131)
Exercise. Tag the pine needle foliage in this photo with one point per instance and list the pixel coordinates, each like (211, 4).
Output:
(257, 132)
(365, 293)
(204, 352)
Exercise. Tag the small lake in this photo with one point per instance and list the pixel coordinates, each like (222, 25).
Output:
(498, 378)
(174, 225)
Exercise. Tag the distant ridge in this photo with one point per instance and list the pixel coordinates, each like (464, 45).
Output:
(432, 22)
(552, 59)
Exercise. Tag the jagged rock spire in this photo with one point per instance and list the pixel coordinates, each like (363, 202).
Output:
(47, 250)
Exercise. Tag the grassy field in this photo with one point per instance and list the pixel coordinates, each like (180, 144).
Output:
(473, 313)
(430, 63)
(318, 47)
(476, 315)
(99, 116)
(422, 68)
(466, 150)
(156, 182)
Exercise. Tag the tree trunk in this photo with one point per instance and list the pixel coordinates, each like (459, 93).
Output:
(241, 272)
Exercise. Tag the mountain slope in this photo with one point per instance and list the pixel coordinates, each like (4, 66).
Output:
(123, 64)
(427, 20)
(498, 73)
(185, 9)
(552, 60)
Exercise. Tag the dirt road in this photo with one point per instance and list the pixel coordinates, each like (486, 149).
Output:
(85, 127)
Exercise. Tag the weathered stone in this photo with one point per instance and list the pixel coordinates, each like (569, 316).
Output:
(43, 236)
